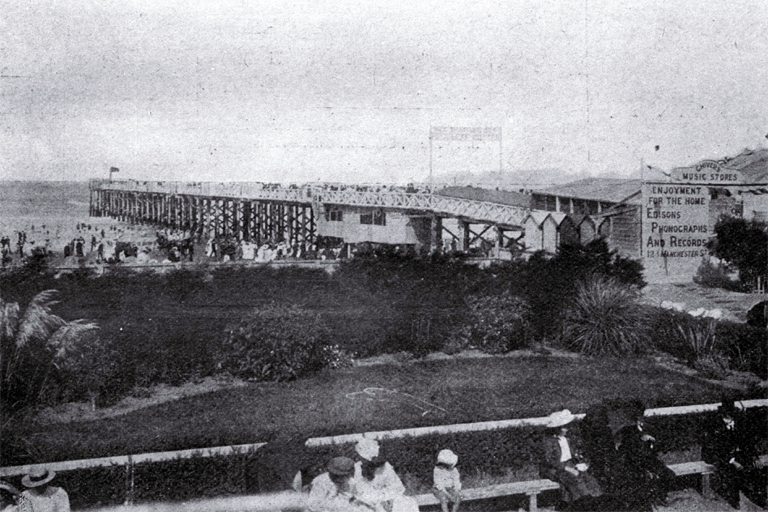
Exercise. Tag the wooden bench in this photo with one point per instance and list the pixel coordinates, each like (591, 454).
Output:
(532, 488)
(696, 468)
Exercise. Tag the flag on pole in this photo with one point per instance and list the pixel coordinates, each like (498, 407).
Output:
(114, 169)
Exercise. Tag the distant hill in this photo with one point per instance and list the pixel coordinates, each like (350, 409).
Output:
(531, 179)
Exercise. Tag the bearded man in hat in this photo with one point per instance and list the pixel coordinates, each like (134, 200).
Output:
(727, 446)
(563, 464)
(336, 490)
(41, 497)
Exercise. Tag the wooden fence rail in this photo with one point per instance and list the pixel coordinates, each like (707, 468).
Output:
(125, 460)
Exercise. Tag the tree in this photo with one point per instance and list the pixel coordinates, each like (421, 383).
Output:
(33, 344)
(743, 244)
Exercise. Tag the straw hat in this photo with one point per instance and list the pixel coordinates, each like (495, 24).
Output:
(368, 449)
(447, 457)
(341, 466)
(560, 418)
(38, 476)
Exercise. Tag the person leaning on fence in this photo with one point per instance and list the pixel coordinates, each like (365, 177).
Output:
(447, 481)
(336, 489)
(563, 464)
(728, 447)
(41, 497)
(378, 483)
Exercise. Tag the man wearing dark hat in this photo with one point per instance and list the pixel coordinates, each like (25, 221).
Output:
(41, 497)
(643, 479)
(727, 446)
(336, 489)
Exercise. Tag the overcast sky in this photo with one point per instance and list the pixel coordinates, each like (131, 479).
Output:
(347, 90)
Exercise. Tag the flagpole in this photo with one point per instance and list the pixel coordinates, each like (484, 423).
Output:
(642, 169)
(500, 159)
(430, 159)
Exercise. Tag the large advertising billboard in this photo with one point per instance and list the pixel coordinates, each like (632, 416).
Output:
(675, 229)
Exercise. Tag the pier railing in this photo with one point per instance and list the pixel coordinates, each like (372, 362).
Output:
(469, 209)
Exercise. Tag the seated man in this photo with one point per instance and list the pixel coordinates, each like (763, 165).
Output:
(729, 448)
(336, 489)
(643, 480)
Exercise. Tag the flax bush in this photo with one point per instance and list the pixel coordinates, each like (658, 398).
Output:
(605, 318)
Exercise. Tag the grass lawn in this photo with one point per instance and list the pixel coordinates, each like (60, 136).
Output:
(335, 402)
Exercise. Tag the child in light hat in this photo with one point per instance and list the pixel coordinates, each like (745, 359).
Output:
(447, 482)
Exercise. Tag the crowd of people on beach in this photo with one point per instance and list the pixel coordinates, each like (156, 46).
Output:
(613, 464)
(51, 242)
(139, 245)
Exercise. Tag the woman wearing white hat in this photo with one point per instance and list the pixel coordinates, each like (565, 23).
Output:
(563, 464)
(41, 497)
(378, 481)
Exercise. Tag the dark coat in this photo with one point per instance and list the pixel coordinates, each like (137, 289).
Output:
(574, 487)
(639, 475)
(721, 445)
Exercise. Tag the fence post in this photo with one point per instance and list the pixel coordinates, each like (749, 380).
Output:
(129, 482)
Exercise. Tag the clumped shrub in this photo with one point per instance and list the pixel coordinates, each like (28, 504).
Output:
(497, 323)
(710, 275)
(605, 319)
(549, 284)
(743, 244)
(280, 343)
(745, 346)
(711, 346)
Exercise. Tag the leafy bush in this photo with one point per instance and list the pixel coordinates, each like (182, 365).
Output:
(497, 323)
(743, 244)
(280, 343)
(745, 346)
(605, 319)
(708, 345)
(90, 363)
(715, 276)
(549, 284)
